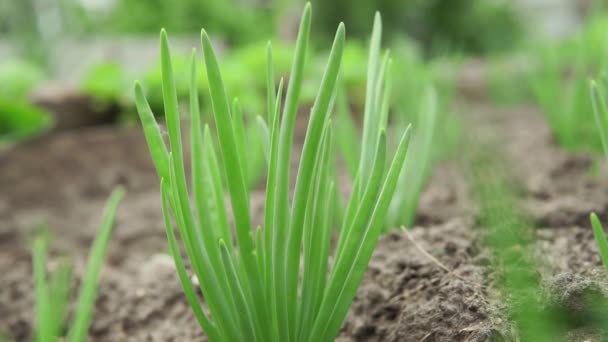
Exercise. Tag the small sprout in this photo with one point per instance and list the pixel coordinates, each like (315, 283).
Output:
(52, 294)
(600, 237)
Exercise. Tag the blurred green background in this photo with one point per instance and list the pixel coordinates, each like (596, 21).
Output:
(96, 48)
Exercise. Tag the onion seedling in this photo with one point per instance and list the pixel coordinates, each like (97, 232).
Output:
(52, 294)
(276, 283)
(600, 109)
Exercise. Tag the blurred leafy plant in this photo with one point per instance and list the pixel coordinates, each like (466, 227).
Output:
(18, 79)
(235, 21)
(470, 26)
(106, 82)
(507, 85)
(21, 121)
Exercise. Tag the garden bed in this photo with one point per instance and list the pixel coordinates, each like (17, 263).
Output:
(63, 180)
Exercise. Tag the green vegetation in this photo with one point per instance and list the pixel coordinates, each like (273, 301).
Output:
(52, 293)
(509, 85)
(252, 288)
(509, 234)
(238, 23)
(600, 108)
(106, 82)
(20, 121)
(560, 85)
(18, 78)
(600, 237)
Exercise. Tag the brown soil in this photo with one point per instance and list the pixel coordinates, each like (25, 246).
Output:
(64, 179)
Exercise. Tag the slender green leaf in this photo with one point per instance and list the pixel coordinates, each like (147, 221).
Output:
(270, 94)
(373, 66)
(86, 298)
(265, 136)
(285, 314)
(59, 289)
(347, 137)
(156, 145)
(44, 320)
(236, 182)
(202, 318)
(245, 313)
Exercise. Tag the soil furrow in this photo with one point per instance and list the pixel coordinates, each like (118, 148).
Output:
(64, 180)
(558, 189)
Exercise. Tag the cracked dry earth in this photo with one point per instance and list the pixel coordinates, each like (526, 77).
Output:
(64, 179)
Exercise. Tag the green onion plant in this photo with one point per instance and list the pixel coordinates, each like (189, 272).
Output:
(52, 293)
(277, 282)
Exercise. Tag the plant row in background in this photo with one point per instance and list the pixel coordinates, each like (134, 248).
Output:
(508, 234)
(560, 84)
(253, 290)
(561, 87)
